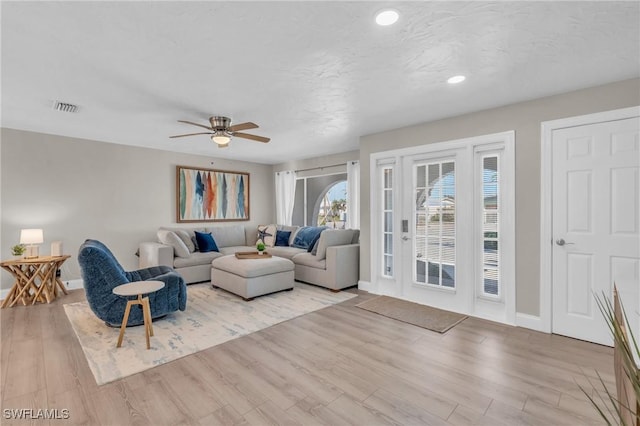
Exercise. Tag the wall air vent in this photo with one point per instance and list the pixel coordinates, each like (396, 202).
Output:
(64, 107)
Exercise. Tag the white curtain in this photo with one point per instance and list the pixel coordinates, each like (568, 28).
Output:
(285, 197)
(353, 194)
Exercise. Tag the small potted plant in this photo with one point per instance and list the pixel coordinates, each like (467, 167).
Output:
(18, 250)
(260, 246)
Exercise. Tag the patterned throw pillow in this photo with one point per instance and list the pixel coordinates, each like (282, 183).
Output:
(267, 233)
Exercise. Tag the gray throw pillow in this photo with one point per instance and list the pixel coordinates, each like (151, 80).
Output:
(186, 239)
(171, 239)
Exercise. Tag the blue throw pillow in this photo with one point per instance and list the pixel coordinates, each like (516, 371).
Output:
(282, 238)
(313, 244)
(206, 242)
(306, 236)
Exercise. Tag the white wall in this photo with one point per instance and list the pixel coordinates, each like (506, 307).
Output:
(77, 189)
(525, 118)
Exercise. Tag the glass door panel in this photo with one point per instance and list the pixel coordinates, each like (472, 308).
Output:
(490, 226)
(435, 224)
(387, 223)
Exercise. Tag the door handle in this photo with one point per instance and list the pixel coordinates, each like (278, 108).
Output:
(562, 242)
(405, 238)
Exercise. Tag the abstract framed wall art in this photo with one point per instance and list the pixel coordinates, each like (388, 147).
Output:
(206, 195)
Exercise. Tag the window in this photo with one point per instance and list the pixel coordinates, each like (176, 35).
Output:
(321, 200)
(435, 224)
(332, 209)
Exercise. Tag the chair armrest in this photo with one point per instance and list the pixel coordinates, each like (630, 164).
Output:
(344, 264)
(155, 254)
(150, 273)
(174, 291)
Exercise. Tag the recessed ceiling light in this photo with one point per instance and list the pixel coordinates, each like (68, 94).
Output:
(387, 17)
(456, 79)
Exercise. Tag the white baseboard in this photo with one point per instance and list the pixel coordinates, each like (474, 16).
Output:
(69, 285)
(365, 286)
(73, 284)
(531, 322)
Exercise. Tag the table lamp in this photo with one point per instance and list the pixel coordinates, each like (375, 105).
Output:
(31, 238)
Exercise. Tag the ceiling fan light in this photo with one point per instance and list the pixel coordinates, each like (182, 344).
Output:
(221, 138)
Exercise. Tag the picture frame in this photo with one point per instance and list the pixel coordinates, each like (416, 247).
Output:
(209, 195)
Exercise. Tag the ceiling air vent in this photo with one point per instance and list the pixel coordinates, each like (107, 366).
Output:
(64, 107)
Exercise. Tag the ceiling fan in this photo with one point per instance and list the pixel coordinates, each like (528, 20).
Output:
(222, 131)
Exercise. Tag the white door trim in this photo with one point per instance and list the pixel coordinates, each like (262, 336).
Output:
(546, 208)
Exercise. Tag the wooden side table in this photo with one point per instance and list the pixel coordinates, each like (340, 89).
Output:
(36, 279)
(138, 288)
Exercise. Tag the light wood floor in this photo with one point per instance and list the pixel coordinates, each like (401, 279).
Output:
(340, 365)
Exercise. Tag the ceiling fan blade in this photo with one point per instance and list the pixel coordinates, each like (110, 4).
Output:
(195, 124)
(252, 137)
(243, 126)
(190, 134)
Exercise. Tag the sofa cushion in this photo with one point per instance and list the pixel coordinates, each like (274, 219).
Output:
(171, 239)
(307, 259)
(282, 238)
(267, 233)
(236, 249)
(227, 236)
(333, 237)
(306, 236)
(286, 252)
(196, 259)
(356, 236)
(206, 242)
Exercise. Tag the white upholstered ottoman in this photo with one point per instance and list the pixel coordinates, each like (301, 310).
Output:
(249, 278)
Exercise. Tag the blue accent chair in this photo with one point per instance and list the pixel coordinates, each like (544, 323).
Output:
(101, 273)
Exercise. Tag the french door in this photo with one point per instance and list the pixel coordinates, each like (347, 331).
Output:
(432, 247)
(443, 218)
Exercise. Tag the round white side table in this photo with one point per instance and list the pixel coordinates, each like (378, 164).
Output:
(137, 288)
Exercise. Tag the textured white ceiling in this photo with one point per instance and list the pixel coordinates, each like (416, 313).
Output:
(314, 75)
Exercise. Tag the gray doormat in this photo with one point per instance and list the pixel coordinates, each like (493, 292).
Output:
(413, 313)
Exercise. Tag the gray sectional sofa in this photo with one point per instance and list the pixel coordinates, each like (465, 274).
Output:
(335, 264)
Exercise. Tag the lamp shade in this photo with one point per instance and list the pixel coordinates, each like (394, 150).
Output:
(31, 236)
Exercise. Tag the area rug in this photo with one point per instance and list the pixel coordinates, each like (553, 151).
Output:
(413, 313)
(213, 316)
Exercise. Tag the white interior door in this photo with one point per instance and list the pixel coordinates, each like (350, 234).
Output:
(596, 214)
